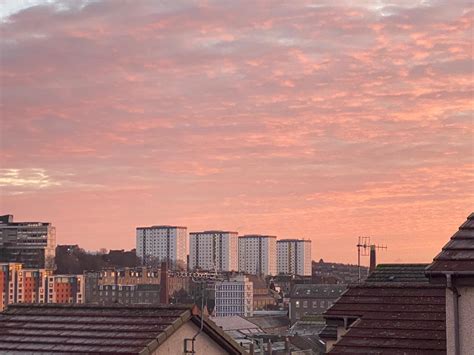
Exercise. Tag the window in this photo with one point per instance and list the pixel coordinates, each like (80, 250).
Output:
(297, 304)
(305, 304)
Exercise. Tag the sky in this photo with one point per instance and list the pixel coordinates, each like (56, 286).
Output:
(325, 120)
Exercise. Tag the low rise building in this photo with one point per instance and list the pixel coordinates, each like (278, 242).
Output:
(312, 299)
(263, 297)
(19, 285)
(234, 297)
(137, 285)
(130, 276)
(129, 294)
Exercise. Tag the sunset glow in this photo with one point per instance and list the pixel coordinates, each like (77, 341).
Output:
(323, 120)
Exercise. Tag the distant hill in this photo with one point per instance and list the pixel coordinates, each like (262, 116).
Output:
(346, 273)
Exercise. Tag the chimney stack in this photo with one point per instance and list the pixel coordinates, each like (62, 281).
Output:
(164, 283)
(373, 259)
(270, 352)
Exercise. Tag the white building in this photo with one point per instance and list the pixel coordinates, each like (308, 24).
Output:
(162, 243)
(234, 297)
(257, 254)
(213, 251)
(294, 257)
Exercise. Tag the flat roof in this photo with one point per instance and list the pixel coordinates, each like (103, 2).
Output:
(162, 227)
(257, 236)
(214, 232)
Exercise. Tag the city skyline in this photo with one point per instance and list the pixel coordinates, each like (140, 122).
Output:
(325, 122)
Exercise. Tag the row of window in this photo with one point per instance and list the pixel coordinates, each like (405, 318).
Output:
(315, 304)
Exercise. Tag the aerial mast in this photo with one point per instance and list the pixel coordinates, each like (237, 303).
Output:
(365, 248)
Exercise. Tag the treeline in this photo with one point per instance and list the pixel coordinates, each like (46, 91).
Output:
(71, 259)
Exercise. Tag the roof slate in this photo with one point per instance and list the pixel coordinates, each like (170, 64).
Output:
(398, 273)
(392, 317)
(457, 256)
(70, 328)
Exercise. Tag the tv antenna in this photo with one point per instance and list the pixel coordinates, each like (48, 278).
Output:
(363, 249)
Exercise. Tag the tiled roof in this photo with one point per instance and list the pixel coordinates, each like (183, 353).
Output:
(360, 300)
(52, 328)
(457, 255)
(317, 291)
(398, 273)
(328, 332)
(393, 318)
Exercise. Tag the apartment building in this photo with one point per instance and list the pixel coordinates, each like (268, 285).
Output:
(257, 254)
(162, 243)
(66, 289)
(294, 257)
(213, 251)
(32, 244)
(129, 294)
(138, 285)
(19, 285)
(312, 299)
(234, 297)
(130, 276)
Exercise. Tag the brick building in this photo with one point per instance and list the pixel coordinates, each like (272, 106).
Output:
(19, 285)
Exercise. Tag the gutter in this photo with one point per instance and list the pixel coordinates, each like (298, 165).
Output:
(454, 290)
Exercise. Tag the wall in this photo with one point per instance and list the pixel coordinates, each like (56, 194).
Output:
(174, 345)
(466, 320)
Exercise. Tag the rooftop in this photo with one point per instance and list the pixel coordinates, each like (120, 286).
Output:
(457, 256)
(391, 318)
(257, 236)
(215, 232)
(268, 322)
(162, 227)
(398, 273)
(7, 221)
(302, 327)
(235, 323)
(52, 328)
(293, 240)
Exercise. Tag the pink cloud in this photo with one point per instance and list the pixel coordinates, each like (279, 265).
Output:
(321, 121)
